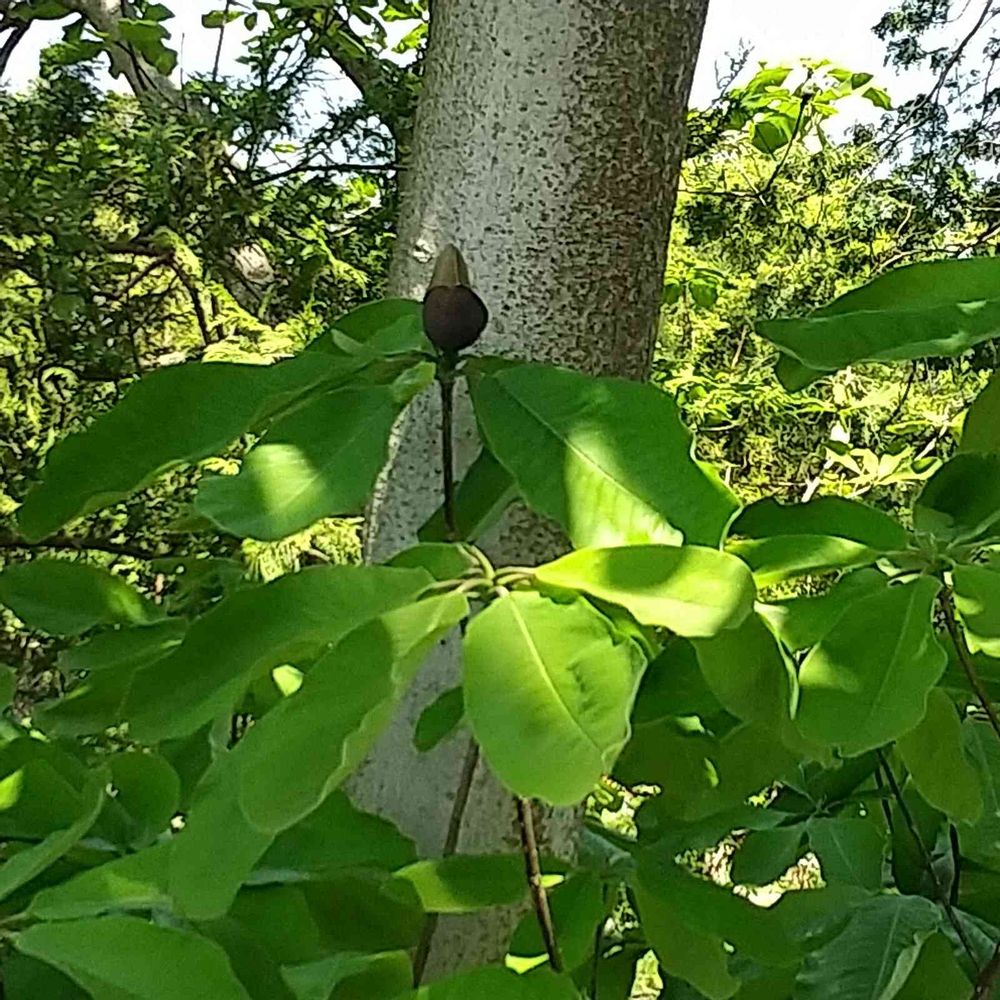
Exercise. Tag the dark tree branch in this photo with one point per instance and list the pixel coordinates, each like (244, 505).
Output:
(65, 543)
(18, 30)
(965, 659)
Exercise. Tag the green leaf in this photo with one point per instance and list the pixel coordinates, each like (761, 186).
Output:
(765, 855)
(879, 97)
(218, 847)
(748, 673)
(294, 757)
(934, 756)
(786, 557)
(673, 684)
(849, 850)
(320, 460)
(834, 516)
(351, 976)
(548, 692)
(977, 598)
(169, 417)
(389, 326)
(692, 591)
(443, 560)
(936, 309)
(481, 498)
(801, 622)
(27, 979)
(439, 719)
(866, 682)
(578, 908)
(134, 882)
(464, 883)
(875, 954)
(92, 706)
(497, 984)
(22, 867)
(981, 432)
(125, 956)
(125, 648)
(961, 501)
(147, 794)
(937, 974)
(981, 841)
(253, 631)
(608, 459)
(334, 836)
(8, 686)
(67, 598)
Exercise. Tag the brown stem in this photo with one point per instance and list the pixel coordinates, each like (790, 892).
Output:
(943, 897)
(965, 658)
(989, 977)
(533, 869)
(448, 453)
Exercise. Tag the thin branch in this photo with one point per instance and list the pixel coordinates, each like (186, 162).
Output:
(18, 31)
(199, 309)
(325, 168)
(446, 380)
(66, 543)
(533, 870)
(222, 35)
(944, 898)
(965, 659)
(803, 104)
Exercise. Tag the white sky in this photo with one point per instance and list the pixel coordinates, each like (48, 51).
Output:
(777, 30)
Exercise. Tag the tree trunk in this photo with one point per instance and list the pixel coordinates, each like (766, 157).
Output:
(547, 148)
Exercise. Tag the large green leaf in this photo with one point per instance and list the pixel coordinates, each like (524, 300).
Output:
(800, 622)
(849, 850)
(672, 685)
(253, 631)
(337, 835)
(937, 974)
(691, 590)
(765, 855)
(939, 768)
(874, 955)
(305, 747)
(833, 516)
(67, 598)
(981, 432)
(134, 882)
(320, 460)
(389, 326)
(176, 415)
(608, 459)
(548, 692)
(123, 957)
(981, 841)
(351, 976)
(937, 309)
(866, 682)
(147, 793)
(125, 648)
(440, 719)
(977, 598)
(464, 883)
(961, 501)
(786, 557)
(27, 979)
(748, 672)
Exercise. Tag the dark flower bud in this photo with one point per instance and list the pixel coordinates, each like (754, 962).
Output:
(454, 315)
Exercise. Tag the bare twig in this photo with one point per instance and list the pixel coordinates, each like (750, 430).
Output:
(965, 659)
(803, 104)
(66, 543)
(944, 898)
(533, 870)
(218, 46)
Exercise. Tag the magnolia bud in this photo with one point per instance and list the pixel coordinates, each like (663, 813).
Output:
(454, 315)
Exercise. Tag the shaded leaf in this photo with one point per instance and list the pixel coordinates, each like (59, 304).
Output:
(977, 599)
(981, 432)
(439, 719)
(125, 648)
(67, 598)
(765, 855)
(786, 557)
(253, 631)
(320, 460)
(981, 841)
(163, 963)
(309, 743)
(169, 417)
(464, 883)
(351, 976)
(933, 754)
(849, 850)
(961, 501)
